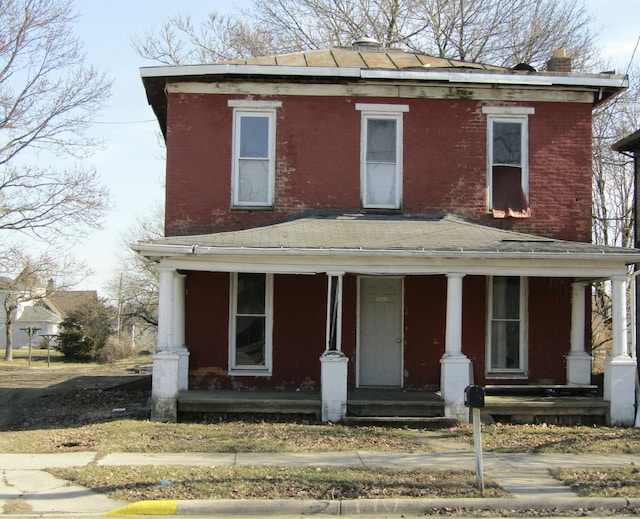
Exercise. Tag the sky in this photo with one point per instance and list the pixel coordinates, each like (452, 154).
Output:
(131, 160)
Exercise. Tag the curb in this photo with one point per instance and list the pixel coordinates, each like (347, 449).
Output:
(159, 507)
(364, 506)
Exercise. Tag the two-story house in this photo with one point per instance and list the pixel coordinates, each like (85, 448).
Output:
(371, 218)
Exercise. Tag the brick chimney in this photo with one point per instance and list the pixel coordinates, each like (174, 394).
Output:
(559, 62)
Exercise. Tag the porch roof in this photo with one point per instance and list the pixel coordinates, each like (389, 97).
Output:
(357, 235)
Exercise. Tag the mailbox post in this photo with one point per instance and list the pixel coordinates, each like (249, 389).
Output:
(474, 398)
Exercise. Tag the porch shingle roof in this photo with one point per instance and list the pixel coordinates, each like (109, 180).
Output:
(442, 233)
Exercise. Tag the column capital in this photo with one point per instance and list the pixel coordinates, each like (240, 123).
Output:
(455, 275)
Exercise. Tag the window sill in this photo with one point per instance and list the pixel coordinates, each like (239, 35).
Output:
(252, 207)
(519, 375)
(249, 372)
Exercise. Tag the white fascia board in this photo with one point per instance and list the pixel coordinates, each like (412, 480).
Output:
(425, 74)
(498, 78)
(398, 266)
(386, 261)
(260, 70)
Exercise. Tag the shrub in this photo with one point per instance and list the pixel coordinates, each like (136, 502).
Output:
(85, 331)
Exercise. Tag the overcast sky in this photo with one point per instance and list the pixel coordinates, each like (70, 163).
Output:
(132, 164)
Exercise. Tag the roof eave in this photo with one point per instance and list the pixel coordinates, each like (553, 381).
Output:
(158, 251)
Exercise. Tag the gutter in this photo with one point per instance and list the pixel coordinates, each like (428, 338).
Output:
(157, 250)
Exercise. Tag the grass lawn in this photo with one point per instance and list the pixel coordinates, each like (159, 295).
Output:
(239, 482)
(601, 482)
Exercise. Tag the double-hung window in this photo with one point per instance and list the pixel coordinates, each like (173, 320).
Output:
(251, 323)
(381, 155)
(253, 167)
(506, 327)
(508, 161)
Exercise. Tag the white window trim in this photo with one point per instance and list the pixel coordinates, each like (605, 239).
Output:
(253, 108)
(508, 117)
(253, 371)
(381, 111)
(508, 110)
(509, 373)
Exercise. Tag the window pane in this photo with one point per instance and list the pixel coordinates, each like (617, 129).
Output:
(506, 297)
(505, 345)
(381, 140)
(250, 341)
(254, 137)
(381, 184)
(251, 293)
(507, 143)
(254, 180)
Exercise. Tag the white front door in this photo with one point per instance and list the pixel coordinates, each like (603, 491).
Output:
(380, 332)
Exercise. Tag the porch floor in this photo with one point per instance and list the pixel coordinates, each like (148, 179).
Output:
(383, 404)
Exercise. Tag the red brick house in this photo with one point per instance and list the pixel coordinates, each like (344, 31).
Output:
(370, 218)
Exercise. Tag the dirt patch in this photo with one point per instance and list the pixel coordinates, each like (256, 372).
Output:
(36, 398)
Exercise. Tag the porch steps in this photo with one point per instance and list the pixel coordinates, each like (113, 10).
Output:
(394, 404)
(541, 409)
(249, 402)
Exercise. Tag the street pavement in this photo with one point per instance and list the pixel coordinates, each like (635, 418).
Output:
(26, 484)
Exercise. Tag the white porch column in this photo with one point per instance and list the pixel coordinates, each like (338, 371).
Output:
(333, 363)
(620, 368)
(578, 360)
(164, 386)
(455, 374)
(179, 330)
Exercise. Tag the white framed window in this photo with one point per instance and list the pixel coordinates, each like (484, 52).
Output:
(254, 148)
(508, 161)
(251, 324)
(381, 155)
(506, 327)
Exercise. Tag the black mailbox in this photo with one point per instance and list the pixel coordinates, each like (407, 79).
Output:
(474, 396)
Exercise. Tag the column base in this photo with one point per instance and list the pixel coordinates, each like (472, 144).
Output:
(183, 369)
(334, 385)
(164, 387)
(620, 389)
(579, 369)
(455, 376)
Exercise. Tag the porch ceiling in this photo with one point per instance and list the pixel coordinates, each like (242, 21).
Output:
(387, 240)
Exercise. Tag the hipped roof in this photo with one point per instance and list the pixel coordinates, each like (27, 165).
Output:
(439, 235)
(362, 64)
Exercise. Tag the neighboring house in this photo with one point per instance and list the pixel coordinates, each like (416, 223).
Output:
(45, 311)
(365, 217)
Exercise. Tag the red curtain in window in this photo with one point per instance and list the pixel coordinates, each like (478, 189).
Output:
(508, 198)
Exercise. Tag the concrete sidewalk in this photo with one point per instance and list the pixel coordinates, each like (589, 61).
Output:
(524, 476)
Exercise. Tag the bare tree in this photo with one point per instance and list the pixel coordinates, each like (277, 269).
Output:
(48, 98)
(613, 191)
(500, 32)
(135, 286)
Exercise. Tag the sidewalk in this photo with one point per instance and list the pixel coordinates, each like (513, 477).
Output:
(524, 476)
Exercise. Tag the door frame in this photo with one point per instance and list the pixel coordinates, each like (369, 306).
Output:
(358, 328)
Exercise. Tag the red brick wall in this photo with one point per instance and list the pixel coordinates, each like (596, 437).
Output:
(318, 162)
(300, 320)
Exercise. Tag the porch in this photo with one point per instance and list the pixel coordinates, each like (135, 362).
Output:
(394, 407)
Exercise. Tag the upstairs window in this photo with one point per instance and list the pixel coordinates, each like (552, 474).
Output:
(508, 161)
(506, 326)
(253, 168)
(381, 155)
